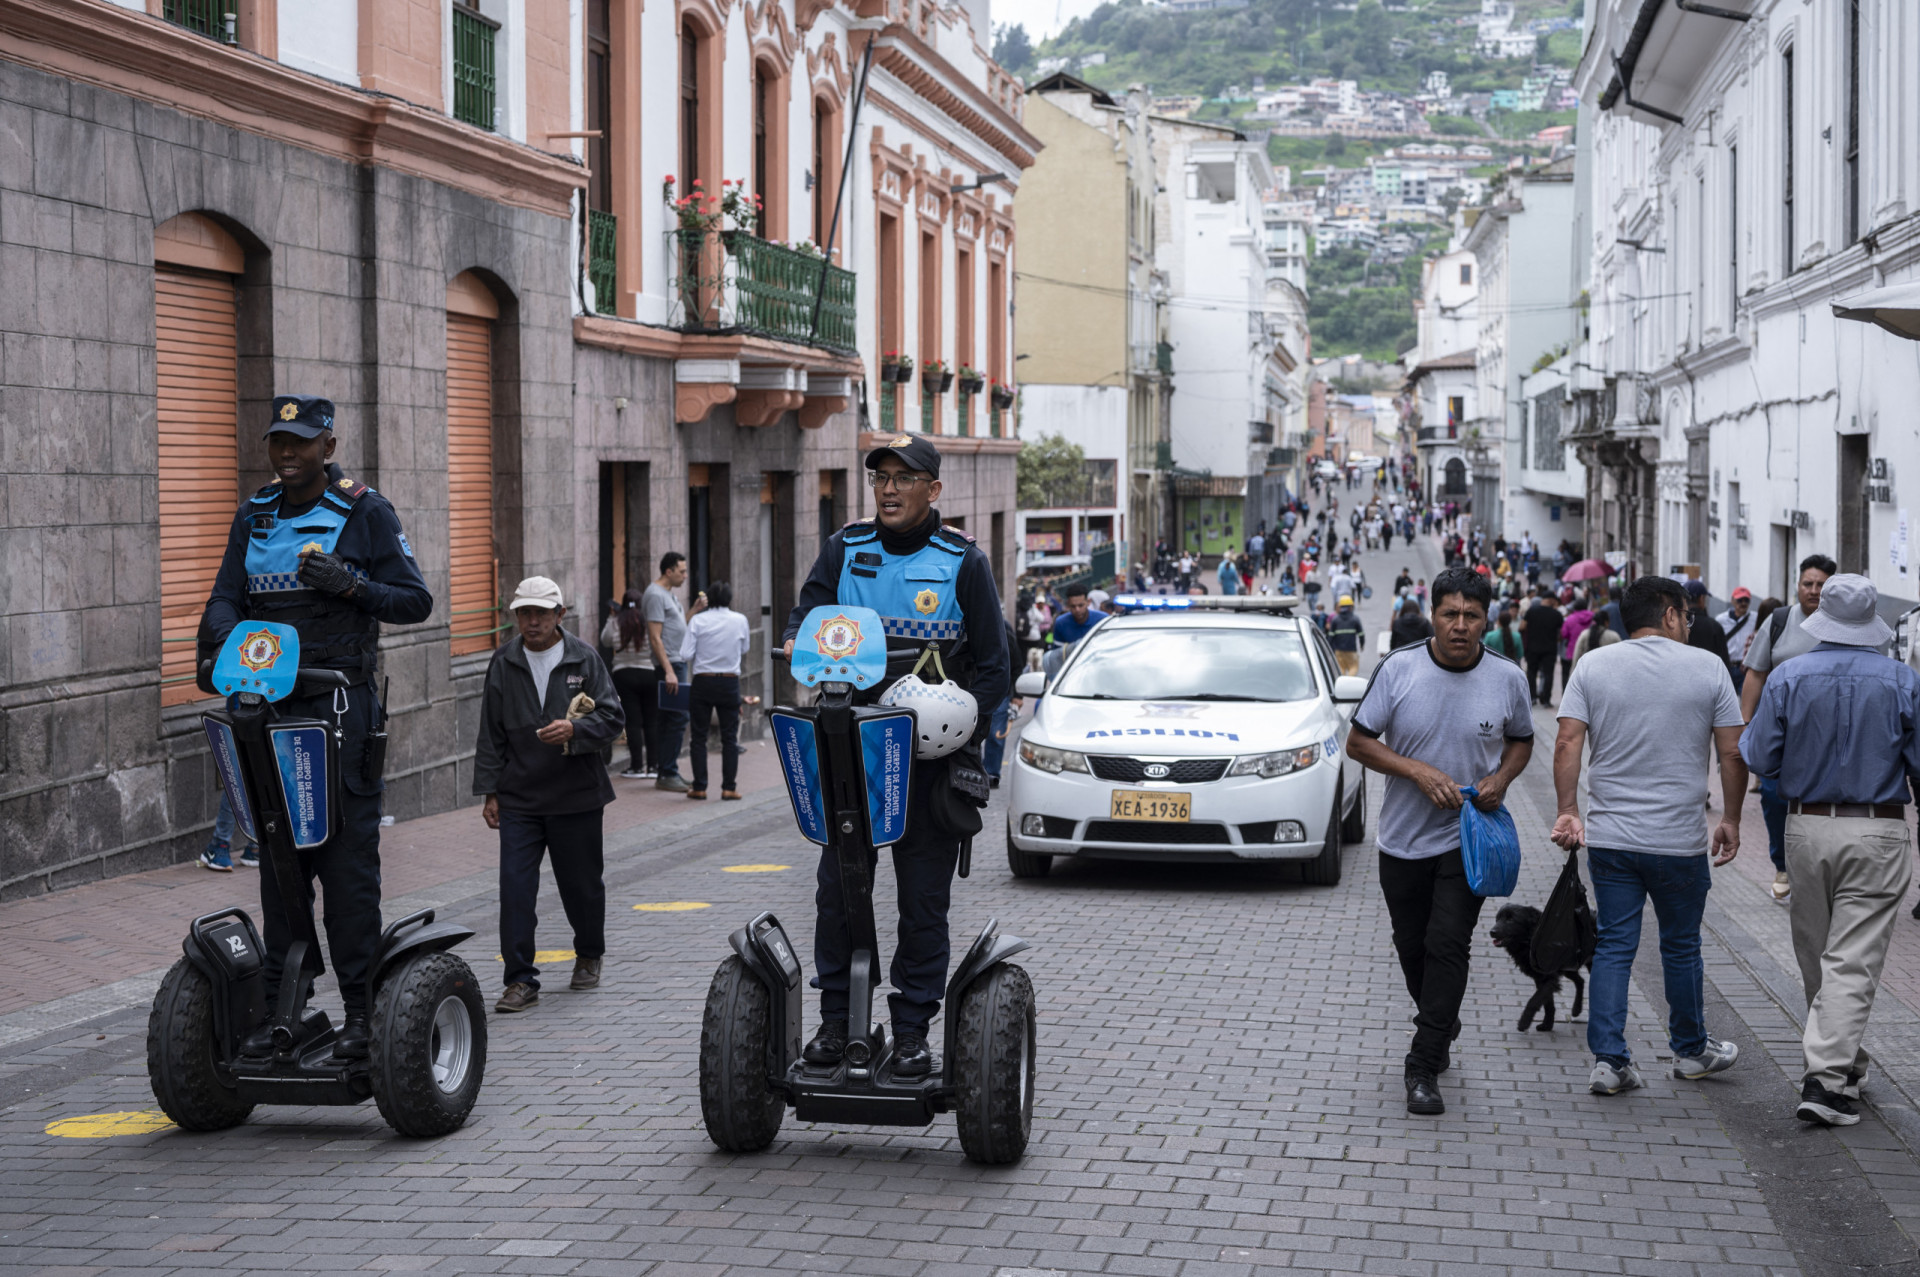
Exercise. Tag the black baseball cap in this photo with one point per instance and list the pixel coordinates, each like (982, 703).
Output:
(917, 451)
(303, 415)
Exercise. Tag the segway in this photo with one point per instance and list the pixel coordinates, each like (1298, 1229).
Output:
(427, 1020)
(847, 768)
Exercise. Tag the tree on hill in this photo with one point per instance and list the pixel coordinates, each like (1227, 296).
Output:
(1012, 48)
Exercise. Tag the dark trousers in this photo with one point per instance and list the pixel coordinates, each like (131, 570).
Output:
(923, 866)
(1540, 676)
(348, 867)
(670, 729)
(574, 843)
(642, 704)
(716, 694)
(1433, 919)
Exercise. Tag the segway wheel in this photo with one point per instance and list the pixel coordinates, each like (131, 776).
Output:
(1026, 864)
(180, 1055)
(742, 1112)
(993, 1065)
(429, 1048)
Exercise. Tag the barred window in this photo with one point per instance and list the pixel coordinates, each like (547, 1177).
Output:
(1548, 454)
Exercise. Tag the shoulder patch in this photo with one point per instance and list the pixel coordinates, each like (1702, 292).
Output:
(855, 523)
(271, 492)
(351, 489)
(859, 532)
(952, 531)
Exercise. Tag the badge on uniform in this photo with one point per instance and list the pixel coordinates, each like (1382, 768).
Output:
(926, 603)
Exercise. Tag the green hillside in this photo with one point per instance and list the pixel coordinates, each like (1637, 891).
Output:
(1384, 46)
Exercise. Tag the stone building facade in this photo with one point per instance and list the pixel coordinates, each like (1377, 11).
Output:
(367, 221)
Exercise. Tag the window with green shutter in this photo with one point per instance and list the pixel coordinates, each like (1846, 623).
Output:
(473, 79)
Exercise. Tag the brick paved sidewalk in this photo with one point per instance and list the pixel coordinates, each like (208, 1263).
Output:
(67, 942)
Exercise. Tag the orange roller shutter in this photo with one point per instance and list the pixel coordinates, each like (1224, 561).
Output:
(198, 376)
(474, 607)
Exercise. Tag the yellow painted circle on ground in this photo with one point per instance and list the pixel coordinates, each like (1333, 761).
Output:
(547, 955)
(99, 1126)
(673, 906)
(756, 869)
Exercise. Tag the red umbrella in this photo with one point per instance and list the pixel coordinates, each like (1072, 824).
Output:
(1587, 570)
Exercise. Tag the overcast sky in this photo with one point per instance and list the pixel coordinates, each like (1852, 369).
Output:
(1041, 18)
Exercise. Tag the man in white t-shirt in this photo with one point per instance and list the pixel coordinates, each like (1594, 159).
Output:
(1438, 716)
(1653, 711)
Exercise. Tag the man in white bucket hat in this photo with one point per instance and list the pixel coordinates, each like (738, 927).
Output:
(1836, 727)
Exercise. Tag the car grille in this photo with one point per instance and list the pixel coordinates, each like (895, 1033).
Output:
(1183, 771)
(1157, 833)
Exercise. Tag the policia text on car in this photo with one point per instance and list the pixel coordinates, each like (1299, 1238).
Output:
(931, 585)
(324, 554)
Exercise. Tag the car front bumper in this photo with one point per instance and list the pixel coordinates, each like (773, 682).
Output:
(1234, 818)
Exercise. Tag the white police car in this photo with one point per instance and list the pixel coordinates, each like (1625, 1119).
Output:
(1195, 729)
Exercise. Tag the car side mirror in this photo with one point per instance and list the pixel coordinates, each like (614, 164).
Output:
(1031, 683)
(1349, 688)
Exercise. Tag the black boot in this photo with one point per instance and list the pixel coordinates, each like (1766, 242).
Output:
(259, 1043)
(353, 1040)
(1423, 1094)
(828, 1045)
(910, 1055)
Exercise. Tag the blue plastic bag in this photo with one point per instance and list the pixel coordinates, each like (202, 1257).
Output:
(1490, 846)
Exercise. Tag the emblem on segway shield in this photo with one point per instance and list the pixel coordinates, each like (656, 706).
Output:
(260, 650)
(839, 638)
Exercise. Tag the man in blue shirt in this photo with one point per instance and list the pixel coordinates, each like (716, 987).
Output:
(1072, 625)
(1835, 728)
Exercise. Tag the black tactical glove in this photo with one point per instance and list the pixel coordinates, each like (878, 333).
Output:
(323, 572)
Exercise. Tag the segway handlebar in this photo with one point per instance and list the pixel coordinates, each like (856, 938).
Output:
(314, 680)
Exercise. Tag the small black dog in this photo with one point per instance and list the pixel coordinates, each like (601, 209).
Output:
(1513, 929)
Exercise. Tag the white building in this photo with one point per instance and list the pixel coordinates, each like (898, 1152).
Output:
(1231, 365)
(1744, 179)
(1441, 377)
(1527, 309)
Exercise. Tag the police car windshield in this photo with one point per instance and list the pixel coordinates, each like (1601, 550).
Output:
(1189, 664)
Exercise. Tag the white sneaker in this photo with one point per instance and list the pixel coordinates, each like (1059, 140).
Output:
(1782, 889)
(1607, 1080)
(1715, 1057)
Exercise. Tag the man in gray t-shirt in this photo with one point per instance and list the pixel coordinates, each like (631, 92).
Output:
(1766, 655)
(1438, 716)
(1651, 712)
(666, 636)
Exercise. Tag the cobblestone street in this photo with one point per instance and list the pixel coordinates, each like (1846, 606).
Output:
(1219, 1093)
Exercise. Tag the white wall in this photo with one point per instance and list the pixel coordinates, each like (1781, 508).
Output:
(1095, 417)
(323, 37)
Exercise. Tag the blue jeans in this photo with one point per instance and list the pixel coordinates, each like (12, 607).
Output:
(1623, 881)
(223, 825)
(1773, 810)
(995, 748)
(673, 730)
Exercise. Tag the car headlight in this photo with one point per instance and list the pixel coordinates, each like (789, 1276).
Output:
(1050, 760)
(1267, 766)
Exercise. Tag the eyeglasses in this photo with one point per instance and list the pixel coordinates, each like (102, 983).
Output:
(898, 481)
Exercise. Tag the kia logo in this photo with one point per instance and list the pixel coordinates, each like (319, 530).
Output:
(1157, 771)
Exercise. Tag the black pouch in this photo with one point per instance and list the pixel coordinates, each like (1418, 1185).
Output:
(373, 762)
(951, 803)
(1567, 933)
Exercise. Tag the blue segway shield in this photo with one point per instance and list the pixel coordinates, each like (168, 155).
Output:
(301, 758)
(797, 740)
(886, 754)
(840, 645)
(260, 657)
(226, 761)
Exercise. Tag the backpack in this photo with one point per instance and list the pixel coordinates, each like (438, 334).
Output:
(1776, 626)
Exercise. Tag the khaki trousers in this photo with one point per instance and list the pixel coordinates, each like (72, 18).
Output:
(1849, 875)
(1349, 662)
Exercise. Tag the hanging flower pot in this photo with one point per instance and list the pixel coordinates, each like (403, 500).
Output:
(936, 376)
(1002, 397)
(972, 380)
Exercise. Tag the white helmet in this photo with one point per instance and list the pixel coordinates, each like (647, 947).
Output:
(945, 715)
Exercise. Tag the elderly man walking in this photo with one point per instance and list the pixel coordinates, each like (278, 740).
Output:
(1835, 730)
(1652, 711)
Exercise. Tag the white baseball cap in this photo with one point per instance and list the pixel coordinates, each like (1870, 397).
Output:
(536, 591)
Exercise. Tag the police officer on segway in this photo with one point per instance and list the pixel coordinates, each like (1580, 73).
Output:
(932, 586)
(324, 554)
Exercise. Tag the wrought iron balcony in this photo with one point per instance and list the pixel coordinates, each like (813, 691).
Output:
(765, 289)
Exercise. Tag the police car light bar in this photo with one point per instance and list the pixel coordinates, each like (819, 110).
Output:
(1206, 602)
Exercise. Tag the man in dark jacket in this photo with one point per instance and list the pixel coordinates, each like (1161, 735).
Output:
(1702, 630)
(1346, 634)
(546, 711)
